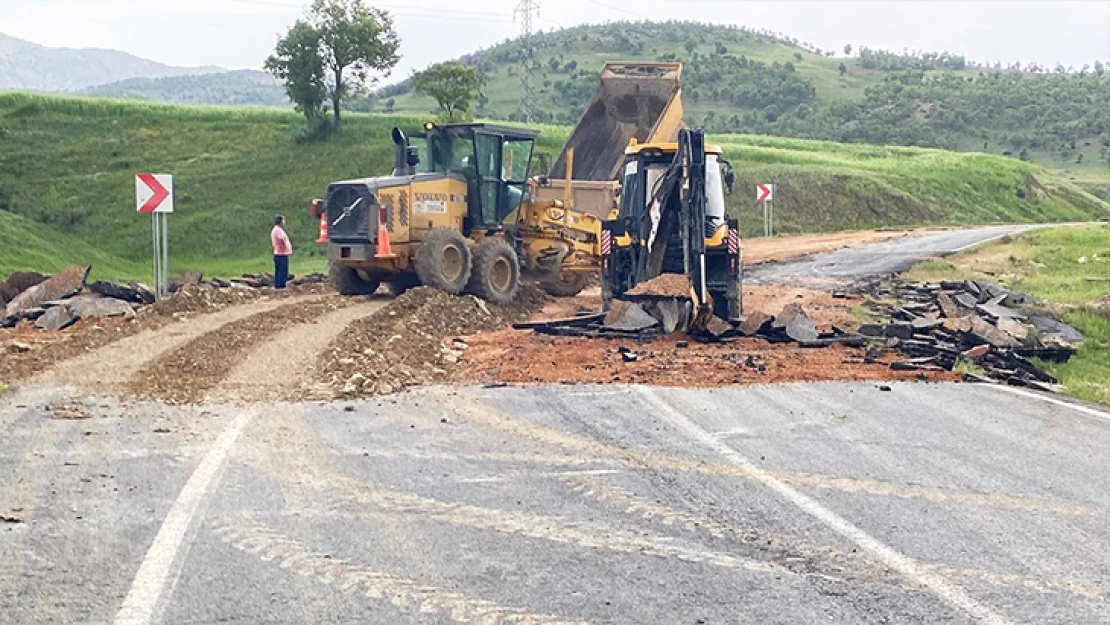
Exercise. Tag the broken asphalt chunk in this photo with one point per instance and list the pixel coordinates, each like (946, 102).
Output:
(59, 286)
(88, 305)
(56, 318)
(1050, 328)
(633, 319)
(756, 323)
(966, 300)
(886, 330)
(985, 332)
(801, 328)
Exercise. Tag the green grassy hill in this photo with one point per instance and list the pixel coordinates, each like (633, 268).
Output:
(67, 169)
(742, 81)
(581, 51)
(235, 88)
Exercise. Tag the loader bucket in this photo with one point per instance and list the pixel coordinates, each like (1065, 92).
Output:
(639, 101)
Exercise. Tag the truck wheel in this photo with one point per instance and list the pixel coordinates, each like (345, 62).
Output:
(566, 285)
(444, 261)
(496, 275)
(347, 281)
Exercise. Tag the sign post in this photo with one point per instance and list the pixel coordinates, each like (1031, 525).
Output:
(154, 195)
(765, 193)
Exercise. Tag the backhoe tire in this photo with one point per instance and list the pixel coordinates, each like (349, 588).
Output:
(724, 307)
(444, 261)
(347, 281)
(496, 275)
(566, 285)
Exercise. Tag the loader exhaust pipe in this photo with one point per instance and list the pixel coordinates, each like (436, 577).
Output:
(405, 157)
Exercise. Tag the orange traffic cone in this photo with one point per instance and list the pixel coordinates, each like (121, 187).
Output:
(323, 229)
(383, 249)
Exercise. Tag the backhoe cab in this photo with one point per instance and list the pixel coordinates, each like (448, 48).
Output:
(438, 219)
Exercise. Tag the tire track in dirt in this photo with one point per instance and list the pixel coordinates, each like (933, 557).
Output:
(112, 367)
(286, 368)
(186, 374)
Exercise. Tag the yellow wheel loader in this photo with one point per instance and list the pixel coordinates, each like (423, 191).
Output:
(455, 214)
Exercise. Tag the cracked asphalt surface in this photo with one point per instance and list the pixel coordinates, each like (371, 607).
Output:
(804, 503)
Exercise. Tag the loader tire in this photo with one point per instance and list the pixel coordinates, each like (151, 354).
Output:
(402, 283)
(444, 261)
(347, 281)
(566, 285)
(496, 275)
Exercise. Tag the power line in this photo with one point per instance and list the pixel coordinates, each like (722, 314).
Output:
(525, 10)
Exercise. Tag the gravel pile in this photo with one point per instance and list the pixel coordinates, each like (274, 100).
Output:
(406, 343)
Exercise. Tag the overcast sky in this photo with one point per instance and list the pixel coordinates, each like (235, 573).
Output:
(241, 33)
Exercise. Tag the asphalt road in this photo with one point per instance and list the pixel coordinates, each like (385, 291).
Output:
(818, 503)
(827, 503)
(875, 259)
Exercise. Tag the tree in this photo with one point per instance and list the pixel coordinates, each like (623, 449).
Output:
(848, 49)
(453, 85)
(691, 45)
(355, 40)
(553, 63)
(843, 68)
(389, 104)
(1099, 68)
(296, 62)
(798, 57)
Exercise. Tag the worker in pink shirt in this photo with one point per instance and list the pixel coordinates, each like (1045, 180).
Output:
(282, 250)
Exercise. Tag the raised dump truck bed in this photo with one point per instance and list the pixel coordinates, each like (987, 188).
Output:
(639, 101)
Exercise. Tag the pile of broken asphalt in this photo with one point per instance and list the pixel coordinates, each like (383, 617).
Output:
(57, 302)
(985, 325)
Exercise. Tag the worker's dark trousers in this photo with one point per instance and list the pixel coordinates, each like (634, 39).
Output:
(281, 271)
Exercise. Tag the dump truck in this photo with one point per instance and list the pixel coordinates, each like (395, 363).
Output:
(641, 101)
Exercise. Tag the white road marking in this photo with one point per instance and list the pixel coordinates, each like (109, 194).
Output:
(910, 569)
(1052, 400)
(141, 604)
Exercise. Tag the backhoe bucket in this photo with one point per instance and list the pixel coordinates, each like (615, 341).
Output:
(639, 101)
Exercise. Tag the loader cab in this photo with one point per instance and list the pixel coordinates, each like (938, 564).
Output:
(493, 159)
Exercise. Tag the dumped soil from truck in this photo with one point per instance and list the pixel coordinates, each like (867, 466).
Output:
(409, 341)
(667, 284)
(522, 356)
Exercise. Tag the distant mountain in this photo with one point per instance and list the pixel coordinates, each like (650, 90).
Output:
(29, 66)
(237, 88)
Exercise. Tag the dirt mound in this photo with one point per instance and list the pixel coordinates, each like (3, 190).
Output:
(667, 284)
(200, 298)
(403, 344)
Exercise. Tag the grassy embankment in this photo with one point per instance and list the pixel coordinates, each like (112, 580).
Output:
(1046, 263)
(825, 186)
(67, 170)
